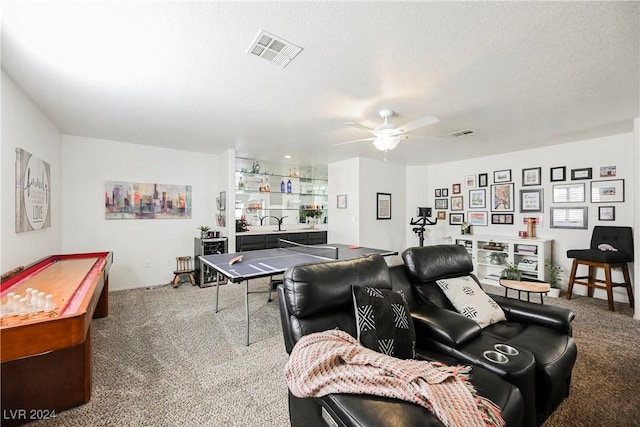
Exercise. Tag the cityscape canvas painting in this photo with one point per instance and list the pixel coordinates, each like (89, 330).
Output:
(135, 200)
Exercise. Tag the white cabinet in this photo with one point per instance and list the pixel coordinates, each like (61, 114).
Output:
(490, 254)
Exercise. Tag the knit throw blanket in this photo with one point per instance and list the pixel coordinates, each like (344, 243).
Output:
(334, 362)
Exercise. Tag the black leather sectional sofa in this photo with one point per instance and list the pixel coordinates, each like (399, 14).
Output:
(527, 388)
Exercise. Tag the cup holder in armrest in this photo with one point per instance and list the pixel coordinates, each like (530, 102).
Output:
(495, 356)
(506, 349)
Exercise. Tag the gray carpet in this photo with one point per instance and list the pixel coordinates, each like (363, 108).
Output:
(163, 358)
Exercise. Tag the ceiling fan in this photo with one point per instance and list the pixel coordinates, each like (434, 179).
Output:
(386, 137)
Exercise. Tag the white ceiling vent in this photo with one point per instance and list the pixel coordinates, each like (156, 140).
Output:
(273, 48)
(461, 133)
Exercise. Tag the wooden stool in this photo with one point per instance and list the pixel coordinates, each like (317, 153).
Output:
(611, 247)
(183, 266)
(593, 283)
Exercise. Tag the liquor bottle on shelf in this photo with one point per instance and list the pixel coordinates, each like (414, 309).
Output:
(282, 186)
(289, 186)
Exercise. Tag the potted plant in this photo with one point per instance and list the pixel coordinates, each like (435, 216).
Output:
(203, 231)
(465, 228)
(553, 276)
(497, 258)
(310, 216)
(511, 272)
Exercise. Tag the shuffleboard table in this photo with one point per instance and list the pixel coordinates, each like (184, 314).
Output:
(46, 351)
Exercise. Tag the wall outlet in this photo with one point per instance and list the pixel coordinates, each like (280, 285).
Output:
(147, 264)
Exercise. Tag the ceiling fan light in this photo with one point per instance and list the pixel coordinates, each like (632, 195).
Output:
(386, 143)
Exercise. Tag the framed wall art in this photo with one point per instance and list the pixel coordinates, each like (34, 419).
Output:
(483, 180)
(438, 192)
(383, 206)
(502, 197)
(502, 176)
(456, 218)
(573, 218)
(478, 218)
(445, 192)
(477, 199)
(582, 173)
(609, 191)
(606, 213)
(531, 176)
(568, 193)
(502, 219)
(442, 215)
(559, 173)
(455, 189)
(148, 200)
(442, 204)
(470, 181)
(341, 202)
(457, 203)
(607, 171)
(531, 200)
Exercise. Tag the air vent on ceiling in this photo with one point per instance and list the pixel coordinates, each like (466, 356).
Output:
(273, 48)
(461, 133)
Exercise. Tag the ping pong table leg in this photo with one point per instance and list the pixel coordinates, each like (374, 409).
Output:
(246, 304)
(217, 291)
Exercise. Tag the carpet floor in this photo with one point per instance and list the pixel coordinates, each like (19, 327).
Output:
(164, 358)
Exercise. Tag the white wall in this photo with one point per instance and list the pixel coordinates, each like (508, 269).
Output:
(607, 151)
(89, 162)
(344, 224)
(25, 126)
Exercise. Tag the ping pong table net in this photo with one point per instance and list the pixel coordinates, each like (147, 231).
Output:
(329, 252)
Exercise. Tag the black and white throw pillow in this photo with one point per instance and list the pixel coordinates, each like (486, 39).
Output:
(384, 322)
(471, 301)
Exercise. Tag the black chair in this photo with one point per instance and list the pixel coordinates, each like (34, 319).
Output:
(317, 297)
(597, 256)
(541, 333)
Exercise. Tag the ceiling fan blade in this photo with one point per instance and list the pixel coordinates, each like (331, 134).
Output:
(425, 121)
(359, 126)
(355, 140)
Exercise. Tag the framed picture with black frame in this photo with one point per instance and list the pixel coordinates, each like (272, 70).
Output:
(606, 213)
(502, 176)
(442, 204)
(559, 173)
(501, 219)
(582, 173)
(609, 191)
(483, 180)
(531, 176)
(383, 206)
(456, 218)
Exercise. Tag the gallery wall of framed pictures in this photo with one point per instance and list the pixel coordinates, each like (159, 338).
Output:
(516, 196)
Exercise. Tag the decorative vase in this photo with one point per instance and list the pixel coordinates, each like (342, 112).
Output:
(554, 292)
(204, 234)
(513, 275)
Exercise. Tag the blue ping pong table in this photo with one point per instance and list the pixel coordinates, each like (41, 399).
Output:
(272, 262)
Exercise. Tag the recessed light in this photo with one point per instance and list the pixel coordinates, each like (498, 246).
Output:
(287, 156)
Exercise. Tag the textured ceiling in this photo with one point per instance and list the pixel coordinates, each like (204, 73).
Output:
(176, 74)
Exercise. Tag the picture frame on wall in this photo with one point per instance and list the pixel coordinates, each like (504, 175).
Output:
(559, 173)
(572, 218)
(606, 213)
(502, 176)
(341, 202)
(607, 171)
(569, 193)
(483, 180)
(445, 192)
(438, 192)
(383, 206)
(502, 197)
(457, 203)
(582, 173)
(442, 204)
(480, 218)
(531, 200)
(609, 191)
(470, 181)
(442, 215)
(477, 198)
(531, 176)
(501, 219)
(455, 189)
(456, 218)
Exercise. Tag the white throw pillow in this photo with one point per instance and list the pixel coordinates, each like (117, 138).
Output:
(471, 301)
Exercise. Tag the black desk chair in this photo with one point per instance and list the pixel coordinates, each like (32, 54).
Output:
(597, 256)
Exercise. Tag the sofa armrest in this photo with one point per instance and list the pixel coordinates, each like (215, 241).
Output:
(553, 317)
(444, 326)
